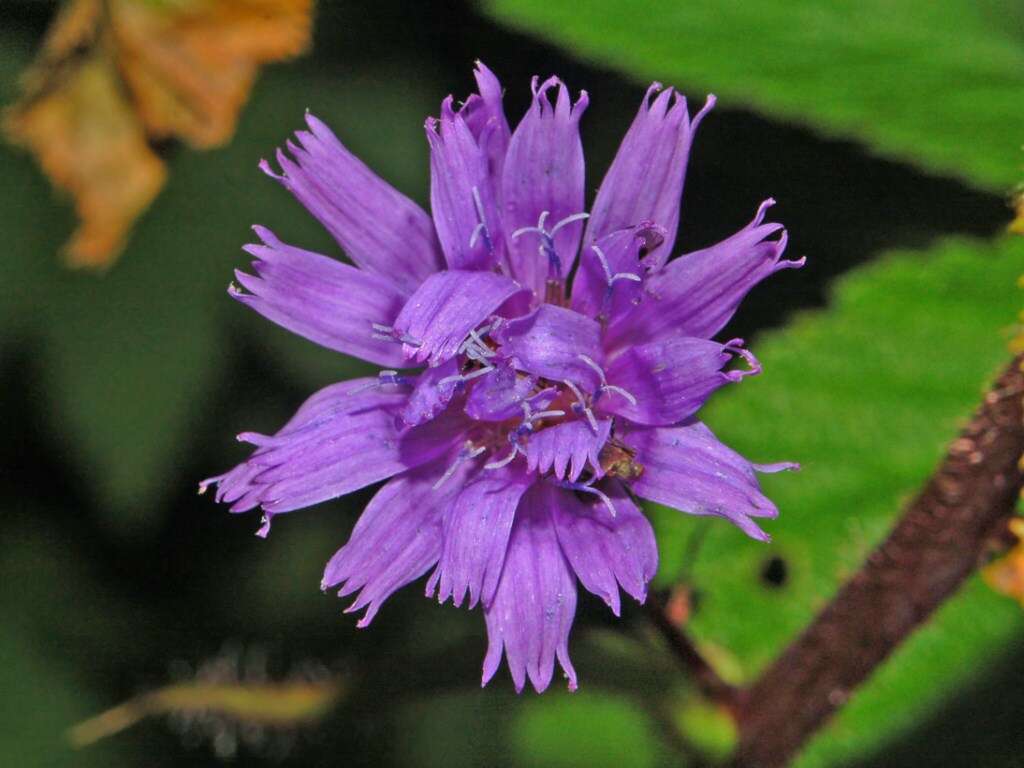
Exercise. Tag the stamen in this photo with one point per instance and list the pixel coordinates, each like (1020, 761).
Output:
(475, 347)
(590, 361)
(386, 377)
(736, 347)
(505, 461)
(477, 333)
(626, 276)
(387, 333)
(575, 390)
(476, 234)
(481, 227)
(582, 405)
(464, 377)
(478, 203)
(539, 229)
(547, 245)
(476, 351)
(478, 355)
(605, 386)
(620, 391)
(588, 488)
(521, 431)
(545, 415)
(524, 230)
(468, 452)
(567, 221)
(608, 276)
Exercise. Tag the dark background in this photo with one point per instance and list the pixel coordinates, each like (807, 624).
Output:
(99, 606)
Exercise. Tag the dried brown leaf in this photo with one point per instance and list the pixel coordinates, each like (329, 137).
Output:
(191, 70)
(1006, 575)
(269, 704)
(112, 76)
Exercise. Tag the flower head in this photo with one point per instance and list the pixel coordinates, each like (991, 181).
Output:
(562, 360)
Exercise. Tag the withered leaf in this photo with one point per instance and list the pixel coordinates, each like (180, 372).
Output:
(115, 75)
(1006, 575)
(190, 69)
(270, 704)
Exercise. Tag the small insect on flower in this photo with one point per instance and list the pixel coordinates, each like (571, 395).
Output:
(541, 408)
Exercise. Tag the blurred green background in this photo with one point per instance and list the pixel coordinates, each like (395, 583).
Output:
(889, 134)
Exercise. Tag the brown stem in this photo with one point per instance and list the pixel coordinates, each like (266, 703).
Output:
(702, 674)
(958, 520)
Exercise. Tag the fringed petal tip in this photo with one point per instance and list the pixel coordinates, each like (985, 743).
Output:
(486, 81)
(264, 165)
(519, 678)
(662, 102)
(448, 112)
(709, 104)
(753, 530)
(735, 347)
(348, 586)
(780, 466)
(530, 617)
(563, 108)
(762, 209)
(769, 228)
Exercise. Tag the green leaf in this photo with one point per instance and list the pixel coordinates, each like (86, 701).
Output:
(865, 395)
(588, 729)
(937, 83)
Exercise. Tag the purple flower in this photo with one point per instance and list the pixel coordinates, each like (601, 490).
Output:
(514, 459)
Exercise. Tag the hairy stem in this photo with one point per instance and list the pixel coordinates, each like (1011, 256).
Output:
(956, 522)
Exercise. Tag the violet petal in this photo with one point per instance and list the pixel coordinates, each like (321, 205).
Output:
(344, 438)
(698, 293)
(565, 449)
(380, 229)
(544, 171)
(610, 276)
(434, 389)
(476, 535)
(397, 539)
(499, 396)
(533, 608)
(485, 116)
(463, 198)
(605, 551)
(437, 318)
(670, 379)
(550, 341)
(688, 468)
(320, 298)
(645, 180)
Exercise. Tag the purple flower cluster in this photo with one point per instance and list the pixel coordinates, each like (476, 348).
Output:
(515, 457)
